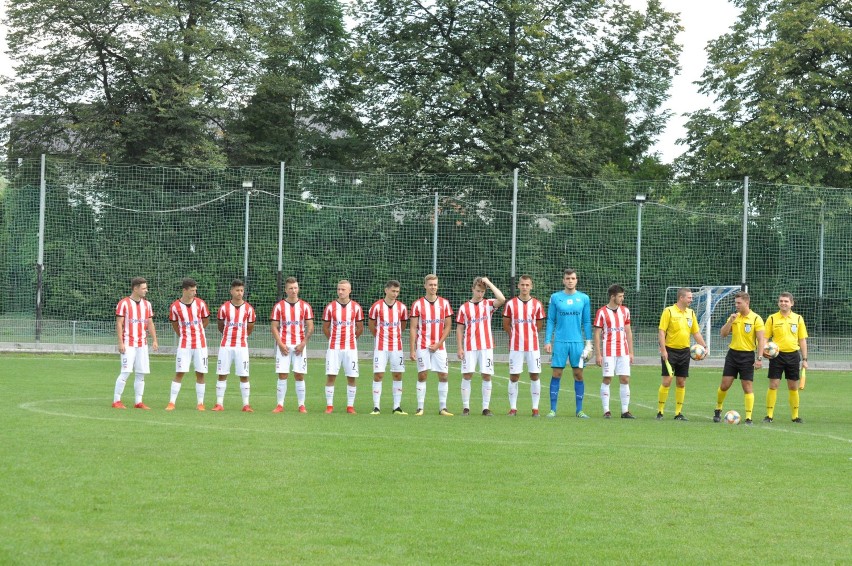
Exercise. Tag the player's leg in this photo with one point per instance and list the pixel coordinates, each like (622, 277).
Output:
(665, 386)
(747, 382)
(300, 369)
(679, 360)
(557, 362)
(624, 390)
(350, 368)
(397, 364)
(332, 368)
(182, 359)
(516, 366)
(468, 366)
(223, 367)
(282, 370)
(424, 361)
(575, 357)
(729, 372)
(440, 364)
(199, 361)
(771, 396)
(607, 371)
(241, 368)
(128, 359)
(380, 364)
(486, 366)
(792, 361)
(534, 367)
(142, 367)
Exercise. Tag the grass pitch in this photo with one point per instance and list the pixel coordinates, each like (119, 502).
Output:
(87, 484)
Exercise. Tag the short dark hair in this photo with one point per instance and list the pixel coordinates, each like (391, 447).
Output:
(569, 271)
(136, 281)
(787, 294)
(525, 276)
(290, 280)
(614, 290)
(392, 283)
(188, 283)
(477, 281)
(743, 295)
(683, 291)
(237, 283)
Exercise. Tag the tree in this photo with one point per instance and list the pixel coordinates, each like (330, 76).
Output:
(548, 86)
(145, 81)
(781, 80)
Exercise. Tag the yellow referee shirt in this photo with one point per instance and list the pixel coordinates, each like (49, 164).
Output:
(744, 331)
(678, 325)
(786, 331)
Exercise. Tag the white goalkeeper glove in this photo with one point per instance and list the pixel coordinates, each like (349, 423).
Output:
(587, 351)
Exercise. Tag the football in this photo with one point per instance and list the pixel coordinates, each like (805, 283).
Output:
(770, 350)
(697, 352)
(732, 417)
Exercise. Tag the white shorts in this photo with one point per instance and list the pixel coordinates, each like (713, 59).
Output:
(198, 357)
(435, 361)
(518, 359)
(346, 358)
(616, 365)
(135, 359)
(239, 355)
(483, 358)
(283, 362)
(382, 357)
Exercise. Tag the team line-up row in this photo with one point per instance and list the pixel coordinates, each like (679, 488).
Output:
(571, 336)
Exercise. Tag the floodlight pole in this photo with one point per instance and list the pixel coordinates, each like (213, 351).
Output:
(280, 275)
(640, 200)
(745, 235)
(435, 238)
(247, 185)
(513, 273)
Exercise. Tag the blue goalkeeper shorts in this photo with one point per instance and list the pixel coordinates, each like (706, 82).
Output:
(564, 352)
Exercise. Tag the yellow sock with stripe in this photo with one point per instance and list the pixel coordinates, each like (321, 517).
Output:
(749, 404)
(771, 398)
(662, 397)
(680, 395)
(720, 398)
(794, 402)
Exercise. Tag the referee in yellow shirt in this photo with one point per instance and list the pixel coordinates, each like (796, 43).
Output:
(788, 330)
(747, 329)
(677, 323)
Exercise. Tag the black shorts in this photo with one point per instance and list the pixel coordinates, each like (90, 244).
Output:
(739, 363)
(786, 363)
(679, 359)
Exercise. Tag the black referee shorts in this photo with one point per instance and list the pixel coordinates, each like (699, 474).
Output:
(785, 363)
(679, 359)
(739, 363)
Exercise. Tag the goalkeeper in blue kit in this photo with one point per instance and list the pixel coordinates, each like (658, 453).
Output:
(569, 338)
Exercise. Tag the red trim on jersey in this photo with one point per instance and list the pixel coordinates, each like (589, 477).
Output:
(190, 319)
(476, 318)
(389, 319)
(431, 320)
(237, 319)
(136, 316)
(342, 319)
(291, 319)
(523, 318)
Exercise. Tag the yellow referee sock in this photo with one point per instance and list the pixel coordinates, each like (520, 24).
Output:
(680, 395)
(749, 404)
(662, 397)
(720, 398)
(771, 398)
(794, 402)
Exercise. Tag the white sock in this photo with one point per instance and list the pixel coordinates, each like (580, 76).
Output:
(486, 394)
(245, 389)
(350, 395)
(300, 392)
(281, 391)
(465, 389)
(174, 392)
(513, 395)
(199, 392)
(221, 386)
(139, 386)
(443, 391)
(377, 394)
(120, 382)
(605, 396)
(624, 393)
(329, 395)
(535, 392)
(421, 393)
(397, 393)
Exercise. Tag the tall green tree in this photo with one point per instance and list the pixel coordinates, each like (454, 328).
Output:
(147, 81)
(781, 80)
(548, 86)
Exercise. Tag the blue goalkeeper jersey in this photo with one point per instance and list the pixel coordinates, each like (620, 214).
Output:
(570, 316)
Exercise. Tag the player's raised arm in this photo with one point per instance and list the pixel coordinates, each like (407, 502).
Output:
(499, 298)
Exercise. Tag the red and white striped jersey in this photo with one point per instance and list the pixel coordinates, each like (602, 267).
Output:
(523, 318)
(342, 319)
(291, 319)
(613, 324)
(190, 319)
(476, 318)
(136, 317)
(389, 319)
(237, 319)
(431, 319)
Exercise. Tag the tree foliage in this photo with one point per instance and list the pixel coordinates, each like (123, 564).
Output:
(551, 86)
(781, 79)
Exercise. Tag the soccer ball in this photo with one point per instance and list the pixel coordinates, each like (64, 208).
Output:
(770, 350)
(697, 352)
(732, 417)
